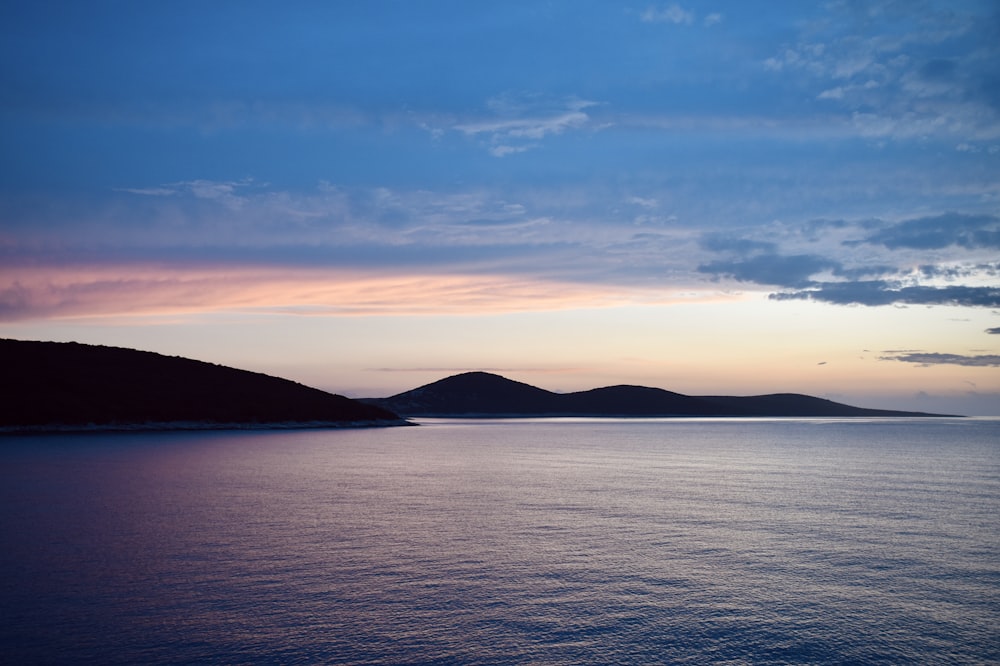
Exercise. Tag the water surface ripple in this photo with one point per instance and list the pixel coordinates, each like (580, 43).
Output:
(532, 541)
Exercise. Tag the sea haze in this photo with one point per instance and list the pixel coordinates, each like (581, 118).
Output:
(554, 541)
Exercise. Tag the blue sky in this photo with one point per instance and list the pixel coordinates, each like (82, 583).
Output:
(708, 197)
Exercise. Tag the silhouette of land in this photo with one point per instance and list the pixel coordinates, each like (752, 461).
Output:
(50, 385)
(482, 394)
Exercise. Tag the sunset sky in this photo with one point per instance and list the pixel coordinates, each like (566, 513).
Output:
(709, 197)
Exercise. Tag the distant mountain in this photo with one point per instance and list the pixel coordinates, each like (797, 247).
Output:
(65, 385)
(482, 394)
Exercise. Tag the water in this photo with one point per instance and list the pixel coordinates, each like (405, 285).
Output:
(538, 541)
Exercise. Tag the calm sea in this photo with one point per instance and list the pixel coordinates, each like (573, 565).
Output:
(531, 541)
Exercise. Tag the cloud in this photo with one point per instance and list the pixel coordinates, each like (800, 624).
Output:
(188, 218)
(959, 272)
(876, 271)
(503, 151)
(771, 269)
(528, 128)
(928, 359)
(871, 270)
(671, 14)
(523, 120)
(993, 331)
(165, 191)
(832, 93)
(727, 242)
(223, 192)
(881, 292)
(941, 231)
(135, 289)
(537, 234)
(898, 70)
(541, 235)
(644, 202)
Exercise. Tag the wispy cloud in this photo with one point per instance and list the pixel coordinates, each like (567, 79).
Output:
(648, 203)
(520, 122)
(527, 128)
(224, 192)
(165, 191)
(713, 19)
(130, 289)
(673, 13)
(504, 150)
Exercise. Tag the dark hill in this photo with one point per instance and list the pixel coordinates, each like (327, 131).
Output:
(481, 394)
(68, 384)
(473, 393)
(633, 401)
(795, 404)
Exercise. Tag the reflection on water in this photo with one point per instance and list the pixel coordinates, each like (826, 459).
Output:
(541, 541)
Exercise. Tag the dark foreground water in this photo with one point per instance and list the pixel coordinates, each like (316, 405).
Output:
(544, 542)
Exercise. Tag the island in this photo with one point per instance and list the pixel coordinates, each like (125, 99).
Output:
(58, 386)
(487, 395)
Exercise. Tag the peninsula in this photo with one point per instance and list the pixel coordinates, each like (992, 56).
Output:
(70, 386)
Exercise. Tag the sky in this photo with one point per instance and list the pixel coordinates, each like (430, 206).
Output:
(718, 197)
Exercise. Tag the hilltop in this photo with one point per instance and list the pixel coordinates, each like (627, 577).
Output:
(52, 385)
(483, 394)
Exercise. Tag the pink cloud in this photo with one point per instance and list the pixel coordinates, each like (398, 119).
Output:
(38, 293)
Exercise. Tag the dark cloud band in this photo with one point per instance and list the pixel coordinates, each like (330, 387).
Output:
(880, 292)
(941, 231)
(927, 359)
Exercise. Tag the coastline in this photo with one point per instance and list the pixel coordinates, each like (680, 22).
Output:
(169, 426)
